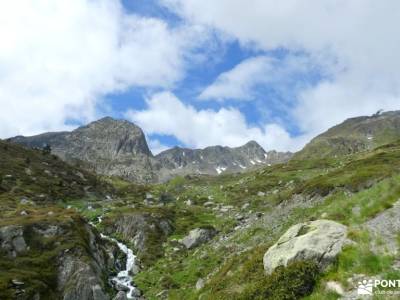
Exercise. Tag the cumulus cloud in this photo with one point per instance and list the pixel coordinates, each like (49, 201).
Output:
(156, 146)
(356, 42)
(168, 115)
(241, 82)
(58, 59)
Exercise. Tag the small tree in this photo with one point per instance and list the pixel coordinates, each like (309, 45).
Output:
(46, 149)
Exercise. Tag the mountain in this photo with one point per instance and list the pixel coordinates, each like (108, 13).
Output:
(354, 135)
(119, 147)
(107, 146)
(216, 159)
(305, 228)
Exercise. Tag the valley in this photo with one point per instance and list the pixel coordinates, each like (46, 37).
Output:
(75, 227)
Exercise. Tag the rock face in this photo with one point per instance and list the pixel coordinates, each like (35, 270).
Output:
(215, 160)
(354, 135)
(198, 236)
(118, 147)
(319, 241)
(144, 230)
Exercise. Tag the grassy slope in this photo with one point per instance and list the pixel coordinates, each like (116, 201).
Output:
(354, 135)
(367, 180)
(45, 185)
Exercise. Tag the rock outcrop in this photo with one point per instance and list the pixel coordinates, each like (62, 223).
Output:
(145, 231)
(197, 237)
(319, 241)
(386, 227)
(12, 240)
(66, 259)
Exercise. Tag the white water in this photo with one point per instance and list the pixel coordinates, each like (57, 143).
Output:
(123, 278)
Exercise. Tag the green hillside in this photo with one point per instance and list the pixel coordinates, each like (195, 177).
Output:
(249, 212)
(354, 135)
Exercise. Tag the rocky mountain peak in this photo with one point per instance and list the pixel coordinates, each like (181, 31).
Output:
(252, 144)
(118, 137)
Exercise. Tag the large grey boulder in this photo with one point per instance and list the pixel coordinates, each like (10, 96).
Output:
(319, 241)
(198, 236)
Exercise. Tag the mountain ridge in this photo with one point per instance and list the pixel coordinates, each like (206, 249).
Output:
(354, 135)
(118, 147)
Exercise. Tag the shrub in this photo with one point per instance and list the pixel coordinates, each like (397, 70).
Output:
(285, 283)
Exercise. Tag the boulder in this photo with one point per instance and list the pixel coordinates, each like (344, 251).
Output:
(120, 296)
(200, 284)
(198, 236)
(319, 241)
(336, 287)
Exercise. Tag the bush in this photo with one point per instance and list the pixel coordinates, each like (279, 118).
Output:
(285, 283)
(46, 149)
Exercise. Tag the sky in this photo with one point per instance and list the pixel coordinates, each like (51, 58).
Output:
(196, 73)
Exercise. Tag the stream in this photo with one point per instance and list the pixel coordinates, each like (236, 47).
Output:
(123, 279)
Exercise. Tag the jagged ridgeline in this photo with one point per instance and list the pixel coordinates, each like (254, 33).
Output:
(119, 148)
(311, 227)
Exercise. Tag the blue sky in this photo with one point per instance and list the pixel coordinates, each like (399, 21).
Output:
(196, 73)
(266, 107)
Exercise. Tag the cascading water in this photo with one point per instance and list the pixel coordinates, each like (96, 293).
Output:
(123, 278)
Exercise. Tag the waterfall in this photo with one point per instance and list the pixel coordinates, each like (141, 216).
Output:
(123, 278)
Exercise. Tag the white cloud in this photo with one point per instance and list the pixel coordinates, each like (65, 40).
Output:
(59, 58)
(166, 114)
(356, 42)
(240, 82)
(156, 146)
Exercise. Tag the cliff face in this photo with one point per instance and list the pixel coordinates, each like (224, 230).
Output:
(118, 147)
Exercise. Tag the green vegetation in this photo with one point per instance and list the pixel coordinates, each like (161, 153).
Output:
(359, 188)
(37, 267)
(37, 188)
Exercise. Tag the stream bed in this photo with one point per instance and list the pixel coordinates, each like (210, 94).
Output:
(123, 280)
